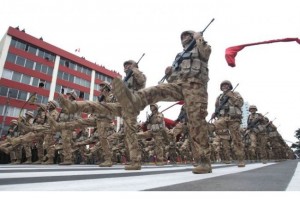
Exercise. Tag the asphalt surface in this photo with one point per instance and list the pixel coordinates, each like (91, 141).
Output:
(274, 176)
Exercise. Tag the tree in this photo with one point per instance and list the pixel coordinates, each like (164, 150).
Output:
(297, 145)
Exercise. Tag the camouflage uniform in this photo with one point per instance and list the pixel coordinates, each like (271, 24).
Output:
(257, 132)
(66, 133)
(40, 119)
(188, 82)
(274, 139)
(12, 133)
(29, 117)
(227, 126)
(48, 137)
(135, 81)
(155, 129)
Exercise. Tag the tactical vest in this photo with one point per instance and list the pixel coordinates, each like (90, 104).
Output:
(194, 65)
(229, 109)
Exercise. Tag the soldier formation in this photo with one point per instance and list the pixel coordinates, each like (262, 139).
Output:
(64, 137)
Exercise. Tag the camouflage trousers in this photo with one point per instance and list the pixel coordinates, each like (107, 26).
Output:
(66, 136)
(195, 98)
(221, 145)
(262, 145)
(233, 128)
(159, 144)
(114, 109)
(103, 129)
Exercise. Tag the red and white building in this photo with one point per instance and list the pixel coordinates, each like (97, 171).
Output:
(29, 65)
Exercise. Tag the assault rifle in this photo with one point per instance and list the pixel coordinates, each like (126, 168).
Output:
(270, 122)
(184, 54)
(255, 123)
(130, 72)
(224, 101)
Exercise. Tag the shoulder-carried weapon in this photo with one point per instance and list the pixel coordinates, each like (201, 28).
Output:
(130, 73)
(184, 54)
(219, 108)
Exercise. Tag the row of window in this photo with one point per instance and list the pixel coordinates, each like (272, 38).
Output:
(11, 111)
(74, 66)
(21, 61)
(25, 79)
(51, 57)
(64, 90)
(21, 95)
(73, 79)
(32, 49)
(104, 78)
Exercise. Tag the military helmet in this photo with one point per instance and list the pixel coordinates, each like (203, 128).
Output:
(42, 106)
(53, 103)
(226, 82)
(155, 105)
(73, 94)
(252, 107)
(191, 32)
(29, 113)
(104, 85)
(266, 119)
(186, 42)
(13, 121)
(130, 62)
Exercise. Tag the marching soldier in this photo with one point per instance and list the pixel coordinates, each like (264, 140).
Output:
(227, 125)
(187, 80)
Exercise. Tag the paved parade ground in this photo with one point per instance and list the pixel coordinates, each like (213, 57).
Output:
(274, 176)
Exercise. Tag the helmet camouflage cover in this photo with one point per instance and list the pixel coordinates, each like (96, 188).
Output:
(72, 93)
(226, 82)
(252, 107)
(130, 62)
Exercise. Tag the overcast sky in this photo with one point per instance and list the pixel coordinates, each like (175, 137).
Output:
(110, 32)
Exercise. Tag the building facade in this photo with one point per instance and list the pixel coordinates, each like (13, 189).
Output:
(245, 114)
(30, 67)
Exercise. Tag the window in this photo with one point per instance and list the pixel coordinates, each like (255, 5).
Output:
(11, 58)
(7, 74)
(32, 50)
(50, 71)
(22, 95)
(71, 78)
(25, 79)
(13, 93)
(81, 94)
(47, 86)
(16, 77)
(38, 67)
(20, 61)
(13, 42)
(35, 82)
(44, 69)
(3, 91)
(60, 74)
(42, 84)
(21, 45)
(65, 76)
(29, 64)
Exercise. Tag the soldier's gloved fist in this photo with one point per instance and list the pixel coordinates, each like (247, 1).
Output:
(230, 94)
(168, 70)
(198, 36)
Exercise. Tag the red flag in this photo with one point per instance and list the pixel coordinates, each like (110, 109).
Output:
(231, 52)
(169, 123)
(181, 102)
